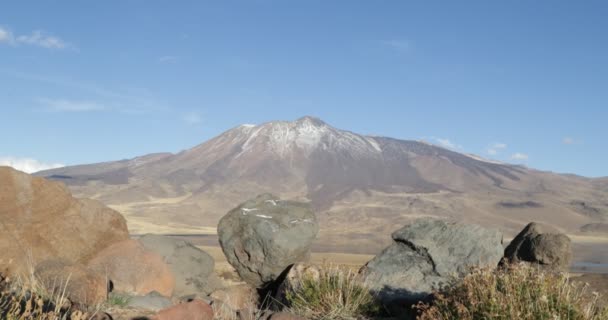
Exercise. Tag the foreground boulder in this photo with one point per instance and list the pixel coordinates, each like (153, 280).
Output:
(133, 269)
(428, 255)
(540, 244)
(192, 267)
(262, 237)
(41, 220)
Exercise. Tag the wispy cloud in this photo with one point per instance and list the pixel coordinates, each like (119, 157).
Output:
(397, 44)
(192, 118)
(37, 38)
(41, 39)
(570, 141)
(446, 143)
(519, 156)
(6, 36)
(62, 105)
(168, 59)
(495, 148)
(28, 165)
(131, 101)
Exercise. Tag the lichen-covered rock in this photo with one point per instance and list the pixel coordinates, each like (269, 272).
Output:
(264, 236)
(429, 254)
(192, 267)
(542, 245)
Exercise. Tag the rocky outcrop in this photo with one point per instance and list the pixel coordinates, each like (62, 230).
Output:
(133, 269)
(428, 255)
(40, 220)
(540, 244)
(192, 268)
(264, 236)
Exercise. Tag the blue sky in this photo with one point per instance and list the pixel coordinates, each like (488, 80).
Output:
(516, 81)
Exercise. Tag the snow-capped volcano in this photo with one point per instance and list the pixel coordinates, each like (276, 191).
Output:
(363, 183)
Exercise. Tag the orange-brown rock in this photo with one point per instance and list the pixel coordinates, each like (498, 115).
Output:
(80, 285)
(133, 269)
(39, 220)
(193, 310)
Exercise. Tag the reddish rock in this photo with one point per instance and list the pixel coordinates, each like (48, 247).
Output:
(133, 269)
(41, 220)
(193, 310)
(81, 285)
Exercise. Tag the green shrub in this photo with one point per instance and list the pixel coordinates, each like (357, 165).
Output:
(118, 300)
(516, 292)
(334, 293)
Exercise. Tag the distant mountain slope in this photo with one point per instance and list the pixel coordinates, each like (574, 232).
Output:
(363, 186)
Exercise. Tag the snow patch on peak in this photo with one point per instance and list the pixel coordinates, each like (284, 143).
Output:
(311, 120)
(478, 158)
(248, 125)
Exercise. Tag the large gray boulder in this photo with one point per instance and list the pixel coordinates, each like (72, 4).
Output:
(192, 267)
(262, 237)
(542, 245)
(428, 255)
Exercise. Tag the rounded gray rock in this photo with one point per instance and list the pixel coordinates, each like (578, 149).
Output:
(192, 267)
(262, 237)
(540, 244)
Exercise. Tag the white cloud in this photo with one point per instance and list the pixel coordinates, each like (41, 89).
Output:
(41, 39)
(27, 164)
(37, 38)
(192, 118)
(446, 143)
(6, 36)
(519, 156)
(168, 59)
(398, 45)
(61, 105)
(495, 148)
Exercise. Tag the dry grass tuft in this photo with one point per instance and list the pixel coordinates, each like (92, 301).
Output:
(333, 293)
(27, 298)
(516, 292)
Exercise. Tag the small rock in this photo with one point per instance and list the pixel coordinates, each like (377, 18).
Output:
(542, 245)
(153, 301)
(193, 310)
(133, 269)
(264, 236)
